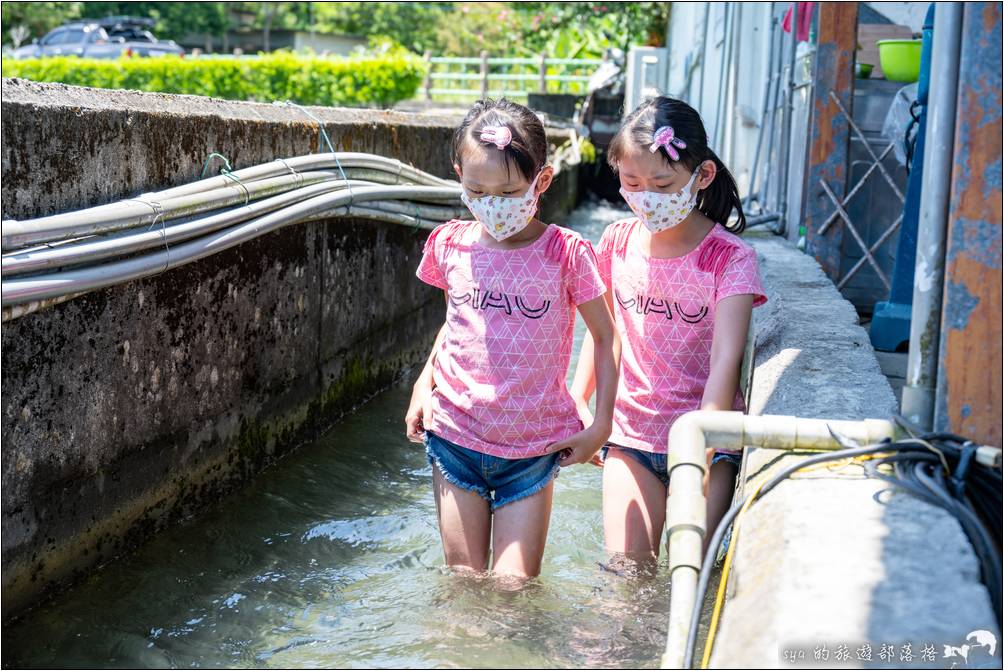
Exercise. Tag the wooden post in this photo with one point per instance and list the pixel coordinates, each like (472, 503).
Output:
(484, 74)
(968, 393)
(543, 73)
(830, 133)
(428, 75)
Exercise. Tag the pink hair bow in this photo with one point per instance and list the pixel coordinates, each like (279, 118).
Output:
(500, 136)
(664, 137)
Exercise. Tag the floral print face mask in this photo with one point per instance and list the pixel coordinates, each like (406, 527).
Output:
(504, 217)
(659, 211)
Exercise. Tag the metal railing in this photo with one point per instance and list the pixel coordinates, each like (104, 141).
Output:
(518, 76)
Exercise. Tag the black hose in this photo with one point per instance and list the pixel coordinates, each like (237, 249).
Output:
(971, 493)
(716, 540)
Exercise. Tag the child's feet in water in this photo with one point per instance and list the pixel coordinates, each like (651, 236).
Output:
(624, 566)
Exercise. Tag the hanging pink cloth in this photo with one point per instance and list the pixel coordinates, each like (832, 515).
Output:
(804, 20)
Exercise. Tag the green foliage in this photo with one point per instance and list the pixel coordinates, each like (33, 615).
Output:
(560, 29)
(371, 80)
(413, 25)
(174, 19)
(38, 17)
(586, 29)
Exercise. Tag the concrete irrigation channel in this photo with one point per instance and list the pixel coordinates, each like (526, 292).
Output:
(137, 406)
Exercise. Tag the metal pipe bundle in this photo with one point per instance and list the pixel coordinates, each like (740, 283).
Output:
(51, 259)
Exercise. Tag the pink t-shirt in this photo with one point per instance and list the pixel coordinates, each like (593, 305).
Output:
(665, 314)
(500, 372)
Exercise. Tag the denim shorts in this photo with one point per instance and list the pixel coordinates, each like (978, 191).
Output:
(498, 481)
(657, 463)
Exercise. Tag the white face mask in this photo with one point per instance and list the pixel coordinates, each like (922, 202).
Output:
(503, 216)
(659, 211)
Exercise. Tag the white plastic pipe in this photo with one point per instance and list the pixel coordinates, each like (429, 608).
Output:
(686, 524)
(326, 161)
(204, 195)
(97, 248)
(19, 290)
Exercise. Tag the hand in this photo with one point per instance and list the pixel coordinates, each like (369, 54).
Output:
(709, 454)
(585, 414)
(581, 447)
(419, 413)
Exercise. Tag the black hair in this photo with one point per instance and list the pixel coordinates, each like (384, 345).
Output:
(528, 148)
(719, 198)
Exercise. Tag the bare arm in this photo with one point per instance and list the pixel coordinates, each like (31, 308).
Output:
(584, 381)
(419, 409)
(732, 320)
(605, 349)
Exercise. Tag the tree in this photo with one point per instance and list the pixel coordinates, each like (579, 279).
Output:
(413, 25)
(560, 29)
(266, 12)
(174, 19)
(586, 29)
(37, 17)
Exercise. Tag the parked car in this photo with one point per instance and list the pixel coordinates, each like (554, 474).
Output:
(110, 37)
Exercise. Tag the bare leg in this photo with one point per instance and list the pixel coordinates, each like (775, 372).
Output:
(465, 523)
(634, 508)
(519, 534)
(721, 487)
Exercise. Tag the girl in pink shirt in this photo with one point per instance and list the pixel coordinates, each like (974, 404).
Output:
(682, 289)
(491, 404)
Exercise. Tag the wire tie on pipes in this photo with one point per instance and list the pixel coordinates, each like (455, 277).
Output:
(158, 211)
(205, 166)
(227, 172)
(297, 175)
(163, 230)
(418, 220)
(327, 141)
(231, 176)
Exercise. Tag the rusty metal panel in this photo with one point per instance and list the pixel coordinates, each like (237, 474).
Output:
(968, 398)
(830, 133)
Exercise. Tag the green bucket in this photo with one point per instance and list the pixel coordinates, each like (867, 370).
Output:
(900, 59)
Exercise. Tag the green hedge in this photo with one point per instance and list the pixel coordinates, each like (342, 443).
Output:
(309, 80)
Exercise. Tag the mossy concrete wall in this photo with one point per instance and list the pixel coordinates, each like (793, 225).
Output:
(132, 407)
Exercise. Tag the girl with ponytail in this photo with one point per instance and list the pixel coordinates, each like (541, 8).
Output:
(682, 286)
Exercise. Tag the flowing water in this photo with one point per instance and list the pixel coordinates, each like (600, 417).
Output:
(332, 558)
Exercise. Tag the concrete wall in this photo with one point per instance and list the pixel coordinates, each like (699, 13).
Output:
(129, 408)
(832, 558)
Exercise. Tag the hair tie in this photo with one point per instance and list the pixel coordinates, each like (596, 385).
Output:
(500, 136)
(665, 137)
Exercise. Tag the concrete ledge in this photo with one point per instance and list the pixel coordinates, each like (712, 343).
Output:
(829, 558)
(70, 147)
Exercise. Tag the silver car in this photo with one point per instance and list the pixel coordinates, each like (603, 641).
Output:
(105, 38)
